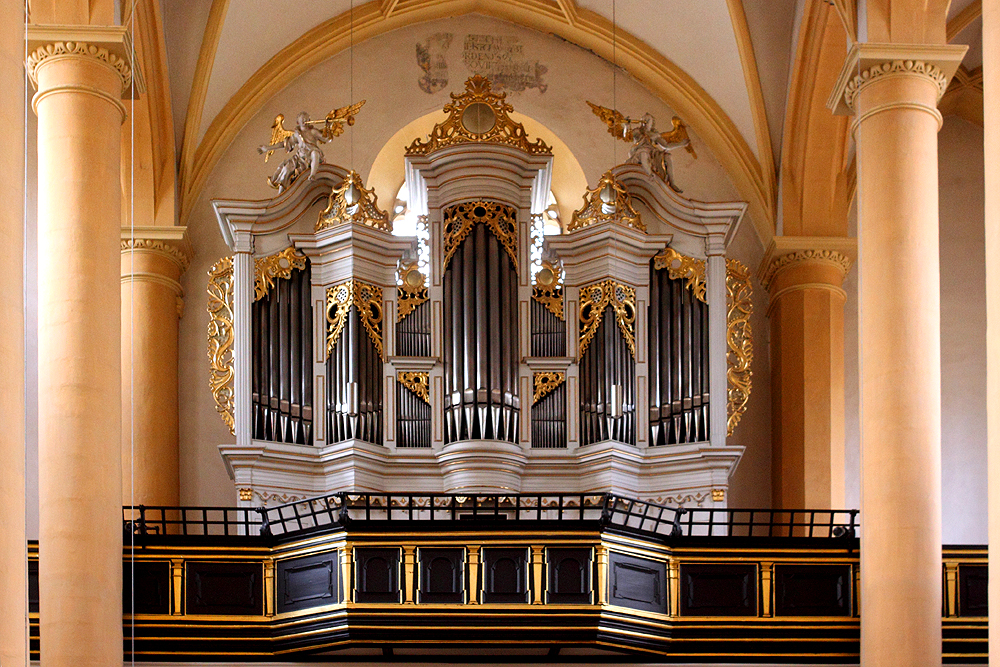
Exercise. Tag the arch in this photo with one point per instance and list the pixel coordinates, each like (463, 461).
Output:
(580, 27)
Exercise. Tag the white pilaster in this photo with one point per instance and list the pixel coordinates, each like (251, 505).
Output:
(715, 285)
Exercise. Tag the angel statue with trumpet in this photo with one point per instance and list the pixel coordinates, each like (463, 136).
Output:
(302, 144)
(650, 148)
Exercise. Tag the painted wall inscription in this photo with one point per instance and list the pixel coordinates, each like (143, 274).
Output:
(500, 58)
(431, 59)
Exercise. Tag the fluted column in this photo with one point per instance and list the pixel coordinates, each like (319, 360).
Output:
(804, 277)
(80, 73)
(893, 90)
(152, 261)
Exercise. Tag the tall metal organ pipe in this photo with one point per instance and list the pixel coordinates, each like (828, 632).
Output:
(354, 381)
(607, 386)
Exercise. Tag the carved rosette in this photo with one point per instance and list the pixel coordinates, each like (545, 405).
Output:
(686, 268)
(352, 203)
(739, 341)
(220, 338)
(608, 202)
(487, 122)
(595, 299)
(270, 268)
(411, 287)
(461, 218)
(368, 301)
(548, 290)
(545, 383)
(418, 382)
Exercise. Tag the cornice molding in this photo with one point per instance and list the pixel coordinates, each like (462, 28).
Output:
(110, 45)
(787, 251)
(171, 242)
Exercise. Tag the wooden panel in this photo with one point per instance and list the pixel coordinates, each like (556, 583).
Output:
(718, 590)
(224, 588)
(638, 583)
(569, 575)
(972, 598)
(812, 590)
(442, 575)
(151, 584)
(505, 575)
(33, 586)
(376, 575)
(308, 582)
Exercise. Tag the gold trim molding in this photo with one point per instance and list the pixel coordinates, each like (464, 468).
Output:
(739, 342)
(220, 338)
(548, 290)
(609, 201)
(461, 218)
(366, 298)
(595, 299)
(273, 267)
(686, 268)
(545, 383)
(418, 382)
(352, 203)
(501, 130)
(411, 290)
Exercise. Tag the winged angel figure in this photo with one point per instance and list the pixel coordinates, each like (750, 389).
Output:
(650, 148)
(302, 144)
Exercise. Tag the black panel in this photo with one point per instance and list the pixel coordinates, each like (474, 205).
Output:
(308, 582)
(376, 575)
(812, 590)
(505, 575)
(224, 588)
(33, 586)
(442, 575)
(719, 590)
(638, 583)
(972, 597)
(569, 572)
(151, 584)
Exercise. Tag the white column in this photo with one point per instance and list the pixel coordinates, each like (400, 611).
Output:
(242, 370)
(715, 286)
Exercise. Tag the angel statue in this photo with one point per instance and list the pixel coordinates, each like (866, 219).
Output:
(302, 144)
(650, 148)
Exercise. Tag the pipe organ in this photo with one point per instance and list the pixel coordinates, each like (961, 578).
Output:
(480, 356)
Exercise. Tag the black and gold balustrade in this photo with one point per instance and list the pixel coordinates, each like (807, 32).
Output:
(446, 575)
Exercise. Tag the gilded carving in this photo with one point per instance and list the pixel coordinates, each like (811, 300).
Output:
(548, 289)
(368, 301)
(739, 341)
(608, 202)
(418, 382)
(595, 299)
(895, 67)
(55, 49)
(687, 268)
(545, 383)
(220, 338)
(270, 268)
(461, 218)
(487, 122)
(352, 203)
(411, 288)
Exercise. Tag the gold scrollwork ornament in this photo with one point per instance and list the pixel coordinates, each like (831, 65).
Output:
(545, 383)
(608, 202)
(411, 289)
(594, 301)
(270, 268)
(461, 218)
(548, 289)
(739, 341)
(687, 268)
(418, 382)
(352, 203)
(368, 301)
(220, 338)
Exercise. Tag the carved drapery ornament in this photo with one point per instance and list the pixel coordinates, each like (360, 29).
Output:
(461, 218)
(595, 299)
(352, 203)
(418, 382)
(608, 202)
(687, 268)
(548, 289)
(545, 383)
(220, 338)
(411, 288)
(270, 268)
(739, 341)
(368, 301)
(478, 116)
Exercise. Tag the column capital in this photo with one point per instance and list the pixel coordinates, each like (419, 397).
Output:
(870, 62)
(786, 252)
(169, 242)
(110, 45)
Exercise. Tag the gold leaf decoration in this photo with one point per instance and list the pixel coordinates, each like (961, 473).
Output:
(595, 299)
(739, 340)
(461, 218)
(548, 289)
(268, 269)
(352, 203)
(220, 338)
(368, 301)
(684, 267)
(418, 382)
(545, 383)
(478, 116)
(608, 202)
(411, 290)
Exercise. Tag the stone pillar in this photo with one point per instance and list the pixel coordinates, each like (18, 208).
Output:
(804, 277)
(894, 91)
(80, 73)
(152, 261)
(13, 553)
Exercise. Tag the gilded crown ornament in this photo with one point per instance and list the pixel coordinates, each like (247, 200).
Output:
(352, 203)
(608, 202)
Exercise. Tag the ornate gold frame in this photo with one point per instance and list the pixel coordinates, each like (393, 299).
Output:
(221, 338)
(687, 268)
(594, 300)
(739, 341)
(461, 218)
(368, 300)
(596, 210)
(363, 211)
(268, 269)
